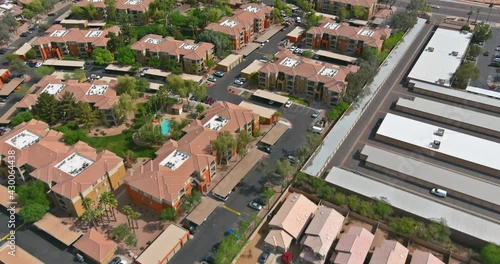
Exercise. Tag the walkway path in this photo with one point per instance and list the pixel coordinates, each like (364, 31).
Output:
(319, 160)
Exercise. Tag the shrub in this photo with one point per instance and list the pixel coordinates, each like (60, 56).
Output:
(70, 137)
(383, 210)
(405, 225)
(366, 209)
(339, 199)
(353, 202)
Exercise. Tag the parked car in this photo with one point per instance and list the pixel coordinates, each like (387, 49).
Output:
(271, 102)
(435, 6)
(38, 65)
(95, 77)
(439, 192)
(193, 97)
(292, 48)
(315, 114)
(219, 74)
(25, 34)
(266, 149)
(486, 53)
(254, 205)
(79, 258)
(211, 78)
(315, 56)
(4, 99)
(231, 231)
(115, 260)
(263, 257)
(3, 51)
(288, 104)
(243, 80)
(209, 259)
(260, 201)
(497, 48)
(238, 82)
(2, 132)
(292, 159)
(30, 64)
(52, 14)
(209, 101)
(215, 247)
(204, 99)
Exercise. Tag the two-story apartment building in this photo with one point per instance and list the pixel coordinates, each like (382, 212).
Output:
(99, 94)
(71, 173)
(59, 41)
(312, 79)
(192, 56)
(188, 163)
(133, 8)
(345, 39)
(334, 6)
(244, 24)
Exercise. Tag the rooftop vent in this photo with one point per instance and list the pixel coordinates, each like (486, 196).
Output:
(435, 144)
(441, 81)
(439, 132)
(454, 53)
(430, 49)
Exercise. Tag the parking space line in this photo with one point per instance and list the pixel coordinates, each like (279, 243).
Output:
(231, 210)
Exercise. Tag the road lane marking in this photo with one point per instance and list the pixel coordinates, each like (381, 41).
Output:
(6, 236)
(231, 210)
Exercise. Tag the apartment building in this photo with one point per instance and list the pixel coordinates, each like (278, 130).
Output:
(99, 94)
(133, 8)
(345, 39)
(192, 56)
(247, 21)
(71, 173)
(59, 41)
(188, 163)
(305, 77)
(334, 6)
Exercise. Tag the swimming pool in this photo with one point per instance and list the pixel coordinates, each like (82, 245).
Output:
(165, 127)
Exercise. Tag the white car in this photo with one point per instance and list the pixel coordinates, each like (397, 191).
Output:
(497, 48)
(95, 77)
(434, 6)
(288, 104)
(38, 65)
(292, 48)
(238, 82)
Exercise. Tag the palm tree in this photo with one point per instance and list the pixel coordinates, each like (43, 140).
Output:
(477, 14)
(470, 13)
(86, 203)
(88, 217)
(127, 210)
(489, 11)
(113, 204)
(134, 216)
(103, 201)
(131, 240)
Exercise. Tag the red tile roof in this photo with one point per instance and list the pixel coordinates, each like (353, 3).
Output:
(59, 34)
(95, 245)
(242, 19)
(187, 48)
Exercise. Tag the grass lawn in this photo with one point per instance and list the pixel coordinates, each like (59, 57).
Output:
(301, 101)
(119, 144)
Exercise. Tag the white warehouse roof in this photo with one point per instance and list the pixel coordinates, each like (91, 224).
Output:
(441, 57)
(452, 143)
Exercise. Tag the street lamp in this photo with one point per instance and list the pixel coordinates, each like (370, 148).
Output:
(489, 11)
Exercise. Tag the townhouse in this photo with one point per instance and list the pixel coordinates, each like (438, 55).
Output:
(247, 21)
(305, 77)
(59, 41)
(334, 6)
(133, 9)
(99, 94)
(345, 39)
(70, 172)
(189, 163)
(353, 246)
(192, 56)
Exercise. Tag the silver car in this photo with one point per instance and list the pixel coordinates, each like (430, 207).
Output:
(254, 205)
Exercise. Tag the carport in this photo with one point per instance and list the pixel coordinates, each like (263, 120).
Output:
(229, 62)
(270, 96)
(11, 86)
(266, 113)
(274, 134)
(20, 256)
(251, 47)
(335, 56)
(270, 32)
(202, 211)
(58, 229)
(255, 66)
(238, 173)
(118, 68)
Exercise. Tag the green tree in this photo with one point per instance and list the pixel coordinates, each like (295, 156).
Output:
(115, 42)
(465, 73)
(490, 254)
(46, 109)
(199, 109)
(366, 209)
(224, 145)
(154, 62)
(437, 232)
(77, 11)
(383, 210)
(102, 56)
(253, 79)
(405, 225)
(220, 40)
(125, 56)
(21, 117)
(120, 232)
(33, 200)
(169, 214)
(77, 74)
(70, 137)
(343, 14)
(353, 202)
(339, 199)
(85, 115)
(31, 54)
(284, 168)
(17, 65)
(404, 20)
(482, 33)
(267, 194)
(308, 54)
(127, 85)
(67, 105)
(23, 91)
(44, 71)
(33, 212)
(123, 108)
(131, 240)
(110, 10)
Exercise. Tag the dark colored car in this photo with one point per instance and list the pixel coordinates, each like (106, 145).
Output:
(204, 99)
(209, 259)
(3, 51)
(215, 247)
(260, 201)
(266, 149)
(486, 53)
(115, 260)
(191, 228)
(263, 257)
(193, 97)
(209, 101)
(30, 64)
(52, 14)
(25, 34)
(232, 232)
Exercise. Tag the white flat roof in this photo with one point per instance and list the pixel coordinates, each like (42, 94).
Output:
(157, 72)
(454, 114)
(481, 91)
(175, 159)
(63, 63)
(53, 88)
(23, 139)
(216, 122)
(450, 180)
(116, 67)
(452, 143)
(271, 96)
(74, 164)
(415, 204)
(438, 61)
(255, 66)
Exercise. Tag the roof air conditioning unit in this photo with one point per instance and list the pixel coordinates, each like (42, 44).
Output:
(439, 132)
(454, 53)
(436, 144)
(441, 81)
(430, 49)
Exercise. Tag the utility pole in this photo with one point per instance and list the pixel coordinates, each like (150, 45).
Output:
(489, 11)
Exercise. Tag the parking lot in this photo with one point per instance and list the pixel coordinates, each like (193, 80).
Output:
(487, 72)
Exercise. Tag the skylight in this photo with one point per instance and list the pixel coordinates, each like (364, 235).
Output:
(53, 88)
(175, 159)
(189, 46)
(331, 25)
(59, 33)
(74, 164)
(155, 41)
(229, 23)
(133, 2)
(23, 140)
(216, 122)
(97, 89)
(94, 34)
(289, 62)
(366, 32)
(328, 72)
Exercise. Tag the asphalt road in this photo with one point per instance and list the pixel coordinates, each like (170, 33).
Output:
(252, 185)
(364, 129)
(487, 72)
